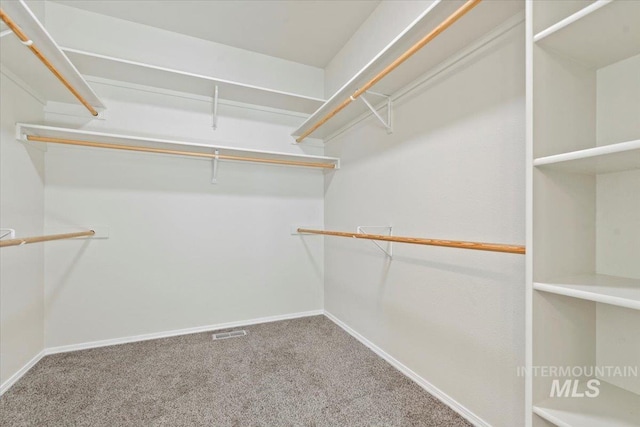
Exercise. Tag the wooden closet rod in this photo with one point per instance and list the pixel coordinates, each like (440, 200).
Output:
(389, 68)
(479, 246)
(177, 152)
(27, 42)
(27, 240)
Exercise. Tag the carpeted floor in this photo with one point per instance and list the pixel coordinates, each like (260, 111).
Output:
(302, 372)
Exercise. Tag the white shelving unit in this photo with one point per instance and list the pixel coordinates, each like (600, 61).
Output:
(478, 22)
(20, 61)
(583, 278)
(93, 64)
(23, 130)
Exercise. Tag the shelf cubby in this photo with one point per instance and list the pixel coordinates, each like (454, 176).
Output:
(600, 34)
(576, 333)
(614, 407)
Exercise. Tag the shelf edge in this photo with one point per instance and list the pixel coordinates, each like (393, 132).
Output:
(588, 153)
(586, 295)
(586, 11)
(543, 414)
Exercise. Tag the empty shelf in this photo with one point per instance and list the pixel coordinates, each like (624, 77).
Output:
(620, 291)
(613, 407)
(607, 158)
(93, 64)
(616, 35)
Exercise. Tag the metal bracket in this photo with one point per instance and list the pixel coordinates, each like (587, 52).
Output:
(388, 124)
(214, 176)
(215, 108)
(4, 232)
(389, 250)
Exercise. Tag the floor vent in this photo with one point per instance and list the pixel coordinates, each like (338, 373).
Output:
(232, 334)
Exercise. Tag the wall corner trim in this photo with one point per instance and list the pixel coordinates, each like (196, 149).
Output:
(15, 377)
(426, 385)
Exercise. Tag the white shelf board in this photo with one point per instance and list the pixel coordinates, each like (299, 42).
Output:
(476, 23)
(93, 64)
(24, 129)
(19, 60)
(606, 158)
(613, 407)
(620, 291)
(602, 33)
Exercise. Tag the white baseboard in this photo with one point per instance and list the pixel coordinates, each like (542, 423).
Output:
(15, 377)
(430, 388)
(104, 343)
(426, 385)
(177, 332)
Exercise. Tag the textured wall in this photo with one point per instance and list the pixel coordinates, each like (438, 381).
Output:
(454, 168)
(21, 208)
(182, 252)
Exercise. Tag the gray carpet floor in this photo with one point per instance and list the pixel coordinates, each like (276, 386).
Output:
(302, 372)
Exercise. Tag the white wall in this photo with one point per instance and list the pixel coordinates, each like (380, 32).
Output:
(454, 168)
(92, 32)
(618, 217)
(182, 252)
(388, 20)
(617, 201)
(21, 208)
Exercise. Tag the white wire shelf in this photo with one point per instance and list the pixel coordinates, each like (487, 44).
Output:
(619, 291)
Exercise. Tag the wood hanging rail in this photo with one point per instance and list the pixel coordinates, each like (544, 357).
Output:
(178, 152)
(26, 41)
(470, 4)
(479, 246)
(27, 240)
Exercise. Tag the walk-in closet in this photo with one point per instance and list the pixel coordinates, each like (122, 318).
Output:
(320, 213)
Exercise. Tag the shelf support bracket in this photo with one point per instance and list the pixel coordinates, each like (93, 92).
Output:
(215, 108)
(4, 232)
(388, 122)
(214, 176)
(388, 251)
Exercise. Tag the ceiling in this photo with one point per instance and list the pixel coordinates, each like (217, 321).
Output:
(310, 32)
